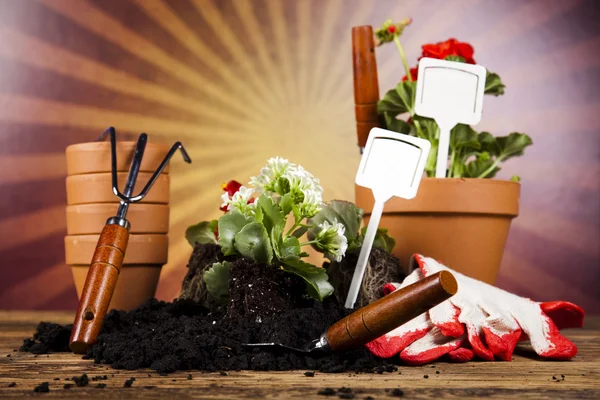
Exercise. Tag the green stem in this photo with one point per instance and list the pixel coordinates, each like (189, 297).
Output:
(452, 167)
(417, 125)
(401, 51)
(491, 168)
(296, 224)
(310, 242)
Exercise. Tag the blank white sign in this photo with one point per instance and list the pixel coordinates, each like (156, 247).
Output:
(450, 91)
(392, 159)
(393, 163)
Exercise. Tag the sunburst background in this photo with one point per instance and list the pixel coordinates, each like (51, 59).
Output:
(239, 81)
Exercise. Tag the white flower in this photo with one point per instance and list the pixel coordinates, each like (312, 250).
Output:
(311, 203)
(240, 201)
(280, 177)
(270, 174)
(331, 239)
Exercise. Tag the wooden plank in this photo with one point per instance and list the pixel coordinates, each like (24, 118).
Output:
(526, 377)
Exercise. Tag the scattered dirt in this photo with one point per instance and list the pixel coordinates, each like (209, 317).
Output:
(81, 381)
(47, 338)
(42, 388)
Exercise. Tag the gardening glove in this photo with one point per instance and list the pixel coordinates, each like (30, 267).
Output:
(479, 319)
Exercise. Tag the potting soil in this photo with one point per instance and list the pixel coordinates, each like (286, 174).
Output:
(184, 335)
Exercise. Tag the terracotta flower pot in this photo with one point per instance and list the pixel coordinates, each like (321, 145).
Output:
(136, 284)
(463, 223)
(91, 202)
(97, 188)
(93, 157)
(85, 219)
(142, 249)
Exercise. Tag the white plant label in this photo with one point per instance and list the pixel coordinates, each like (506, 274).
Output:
(392, 164)
(451, 93)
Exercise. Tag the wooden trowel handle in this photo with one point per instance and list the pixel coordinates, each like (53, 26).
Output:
(366, 86)
(391, 311)
(99, 286)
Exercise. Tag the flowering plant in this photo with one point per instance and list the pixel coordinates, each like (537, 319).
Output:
(472, 154)
(255, 220)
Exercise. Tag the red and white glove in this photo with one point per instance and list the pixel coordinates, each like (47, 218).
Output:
(479, 319)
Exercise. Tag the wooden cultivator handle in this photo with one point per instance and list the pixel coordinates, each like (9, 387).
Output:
(99, 286)
(391, 311)
(366, 87)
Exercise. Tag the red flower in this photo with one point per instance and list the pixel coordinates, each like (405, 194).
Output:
(391, 29)
(441, 50)
(231, 187)
(450, 47)
(413, 74)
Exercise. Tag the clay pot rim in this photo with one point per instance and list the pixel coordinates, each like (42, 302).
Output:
(138, 265)
(453, 196)
(104, 146)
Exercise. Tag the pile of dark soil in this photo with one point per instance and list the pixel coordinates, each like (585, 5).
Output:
(265, 305)
(184, 335)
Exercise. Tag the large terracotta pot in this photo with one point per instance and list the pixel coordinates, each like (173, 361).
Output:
(463, 223)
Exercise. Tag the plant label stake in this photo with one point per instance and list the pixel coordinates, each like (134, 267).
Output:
(451, 93)
(108, 257)
(391, 165)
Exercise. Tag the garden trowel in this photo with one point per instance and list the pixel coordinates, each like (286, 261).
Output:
(380, 317)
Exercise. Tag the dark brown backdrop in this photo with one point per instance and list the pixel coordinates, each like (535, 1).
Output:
(239, 81)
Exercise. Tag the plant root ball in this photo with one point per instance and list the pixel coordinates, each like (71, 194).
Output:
(260, 290)
(382, 268)
(193, 286)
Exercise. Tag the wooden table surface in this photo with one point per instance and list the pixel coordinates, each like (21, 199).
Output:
(523, 378)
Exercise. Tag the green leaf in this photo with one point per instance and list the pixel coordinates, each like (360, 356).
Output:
(317, 281)
(455, 58)
(399, 100)
(382, 239)
(512, 145)
(217, 281)
(253, 241)
(344, 212)
(259, 215)
(493, 84)
(482, 163)
(391, 104)
(290, 247)
(515, 178)
(272, 215)
(286, 204)
(487, 142)
(396, 125)
(203, 233)
(230, 225)
(463, 136)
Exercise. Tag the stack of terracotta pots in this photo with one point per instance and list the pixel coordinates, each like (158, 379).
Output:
(90, 202)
